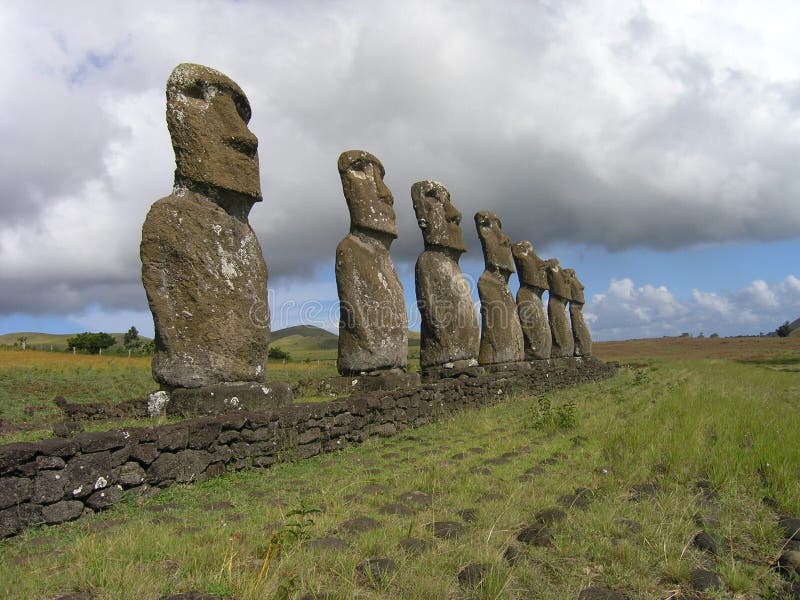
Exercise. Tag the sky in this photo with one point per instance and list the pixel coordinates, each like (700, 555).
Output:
(651, 146)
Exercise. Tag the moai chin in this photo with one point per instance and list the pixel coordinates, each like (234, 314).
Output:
(449, 337)
(532, 273)
(501, 332)
(373, 326)
(202, 266)
(580, 330)
(560, 327)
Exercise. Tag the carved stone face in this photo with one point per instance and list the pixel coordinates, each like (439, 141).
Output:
(207, 116)
(531, 269)
(576, 287)
(496, 245)
(558, 281)
(438, 219)
(369, 200)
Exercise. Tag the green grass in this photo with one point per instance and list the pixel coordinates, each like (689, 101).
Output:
(672, 422)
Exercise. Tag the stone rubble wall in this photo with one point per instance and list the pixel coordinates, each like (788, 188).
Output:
(61, 479)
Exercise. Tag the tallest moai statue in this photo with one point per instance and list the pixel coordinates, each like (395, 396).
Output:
(202, 266)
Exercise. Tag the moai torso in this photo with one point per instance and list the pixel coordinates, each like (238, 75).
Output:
(373, 326)
(532, 273)
(580, 330)
(202, 266)
(449, 334)
(560, 325)
(501, 332)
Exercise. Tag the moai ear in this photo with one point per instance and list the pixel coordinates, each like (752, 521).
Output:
(423, 223)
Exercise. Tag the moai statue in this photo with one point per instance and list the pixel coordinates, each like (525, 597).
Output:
(580, 331)
(532, 273)
(560, 327)
(450, 336)
(501, 332)
(202, 267)
(373, 326)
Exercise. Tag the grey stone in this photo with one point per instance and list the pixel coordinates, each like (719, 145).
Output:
(60, 512)
(560, 324)
(449, 334)
(104, 498)
(474, 573)
(16, 518)
(373, 326)
(447, 530)
(131, 474)
(11, 455)
(228, 397)
(501, 333)
(532, 272)
(376, 570)
(185, 466)
(48, 487)
(50, 462)
(202, 266)
(580, 330)
(702, 580)
(87, 473)
(14, 490)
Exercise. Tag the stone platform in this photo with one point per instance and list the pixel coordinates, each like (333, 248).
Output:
(223, 398)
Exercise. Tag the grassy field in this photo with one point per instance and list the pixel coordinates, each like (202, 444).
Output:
(685, 439)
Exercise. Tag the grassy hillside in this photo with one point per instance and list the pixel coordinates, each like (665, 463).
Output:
(616, 480)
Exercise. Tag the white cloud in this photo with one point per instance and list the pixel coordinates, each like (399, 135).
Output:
(626, 311)
(614, 123)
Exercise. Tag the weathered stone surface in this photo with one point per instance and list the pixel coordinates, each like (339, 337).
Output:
(16, 518)
(14, 490)
(532, 272)
(560, 325)
(131, 474)
(60, 512)
(373, 326)
(449, 333)
(49, 487)
(87, 473)
(383, 380)
(501, 332)
(104, 498)
(227, 397)
(202, 266)
(580, 330)
(14, 454)
(95, 441)
(474, 573)
(182, 467)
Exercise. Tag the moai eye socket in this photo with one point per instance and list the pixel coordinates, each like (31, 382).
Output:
(242, 107)
(194, 90)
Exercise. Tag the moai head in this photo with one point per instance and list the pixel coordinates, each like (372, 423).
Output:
(576, 287)
(438, 219)
(531, 269)
(207, 116)
(557, 281)
(496, 245)
(369, 200)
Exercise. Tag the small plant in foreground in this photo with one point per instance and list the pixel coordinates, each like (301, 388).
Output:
(547, 417)
(289, 534)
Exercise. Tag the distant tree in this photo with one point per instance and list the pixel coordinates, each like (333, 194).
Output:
(714, 335)
(91, 342)
(784, 330)
(131, 340)
(277, 353)
(686, 334)
(23, 341)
